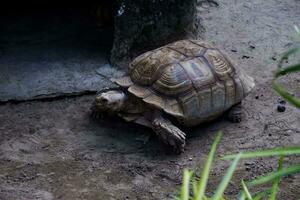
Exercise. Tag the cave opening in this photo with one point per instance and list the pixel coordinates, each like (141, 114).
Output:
(43, 44)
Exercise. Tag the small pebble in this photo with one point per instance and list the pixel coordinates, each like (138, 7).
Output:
(282, 102)
(280, 108)
(247, 168)
(190, 159)
(256, 97)
(245, 57)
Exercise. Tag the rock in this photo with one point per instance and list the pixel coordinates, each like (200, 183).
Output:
(282, 102)
(144, 25)
(280, 108)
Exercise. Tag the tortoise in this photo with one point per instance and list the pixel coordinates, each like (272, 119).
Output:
(187, 82)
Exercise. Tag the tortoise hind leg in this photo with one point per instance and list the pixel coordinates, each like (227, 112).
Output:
(169, 134)
(235, 113)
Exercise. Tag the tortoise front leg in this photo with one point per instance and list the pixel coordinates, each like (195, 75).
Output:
(235, 113)
(168, 133)
(94, 112)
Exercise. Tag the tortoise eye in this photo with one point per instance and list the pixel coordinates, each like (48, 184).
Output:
(103, 101)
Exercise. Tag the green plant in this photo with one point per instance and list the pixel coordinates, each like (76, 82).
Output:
(281, 71)
(193, 189)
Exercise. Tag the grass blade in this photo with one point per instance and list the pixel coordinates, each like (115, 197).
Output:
(261, 195)
(286, 55)
(297, 29)
(242, 196)
(274, 175)
(287, 70)
(287, 96)
(185, 188)
(205, 172)
(276, 182)
(246, 191)
(195, 187)
(224, 183)
(283, 71)
(266, 153)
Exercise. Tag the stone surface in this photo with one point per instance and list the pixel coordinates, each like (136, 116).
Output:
(52, 52)
(144, 25)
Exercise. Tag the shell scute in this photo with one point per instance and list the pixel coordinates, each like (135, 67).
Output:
(190, 104)
(188, 48)
(139, 91)
(220, 64)
(173, 81)
(198, 72)
(146, 67)
(123, 81)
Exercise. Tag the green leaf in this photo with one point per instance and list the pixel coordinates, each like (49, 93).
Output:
(194, 187)
(246, 191)
(297, 29)
(279, 151)
(283, 71)
(280, 90)
(242, 196)
(274, 175)
(287, 70)
(276, 182)
(286, 55)
(185, 188)
(288, 97)
(225, 181)
(199, 193)
(260, 195)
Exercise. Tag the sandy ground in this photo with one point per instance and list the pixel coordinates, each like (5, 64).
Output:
(54, 150)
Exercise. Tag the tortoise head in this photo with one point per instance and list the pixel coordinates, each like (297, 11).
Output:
(110, 101)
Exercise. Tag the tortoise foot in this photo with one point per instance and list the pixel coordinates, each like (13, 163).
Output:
(235, 114)
(95, 114)
(169, 134)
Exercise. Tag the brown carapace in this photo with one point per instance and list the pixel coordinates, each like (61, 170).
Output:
(190, 80)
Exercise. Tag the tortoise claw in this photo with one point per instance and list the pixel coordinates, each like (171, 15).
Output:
(169, 135)
(95, 114)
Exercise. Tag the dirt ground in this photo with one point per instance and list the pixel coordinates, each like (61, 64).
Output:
(52, 149)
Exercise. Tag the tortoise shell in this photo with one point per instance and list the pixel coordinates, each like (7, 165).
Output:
(189, 79)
